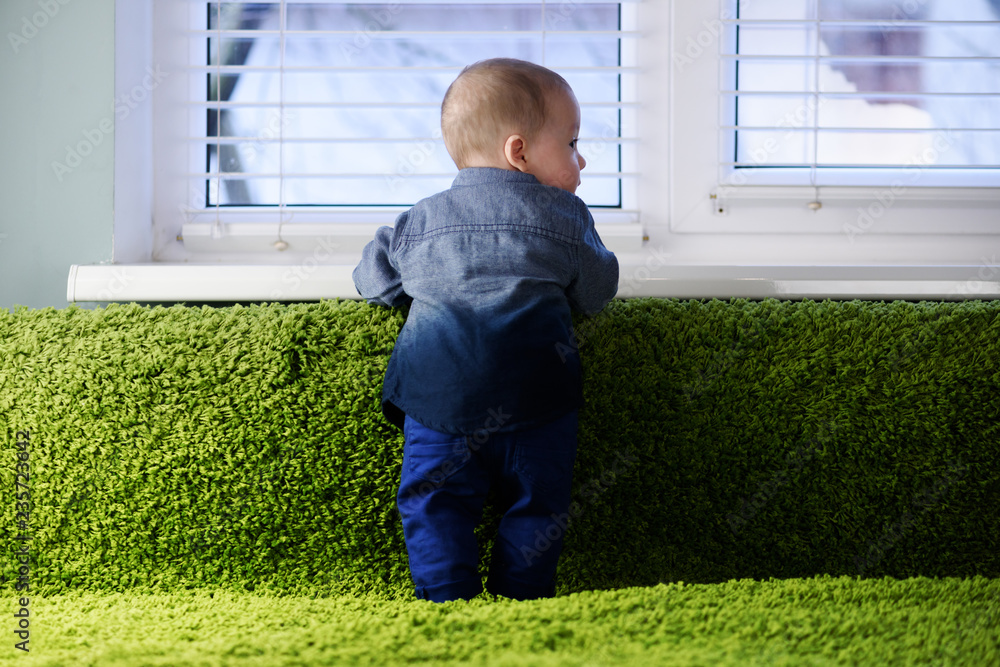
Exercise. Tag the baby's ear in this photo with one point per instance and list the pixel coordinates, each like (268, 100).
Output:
(513, 150)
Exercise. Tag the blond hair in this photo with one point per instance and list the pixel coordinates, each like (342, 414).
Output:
(489, 101)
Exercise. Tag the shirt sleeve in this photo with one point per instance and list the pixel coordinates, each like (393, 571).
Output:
(597, 281)
(377, 276)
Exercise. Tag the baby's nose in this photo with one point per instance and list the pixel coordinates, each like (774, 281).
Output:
(583, 163)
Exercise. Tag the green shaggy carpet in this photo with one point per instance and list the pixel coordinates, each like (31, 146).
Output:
(825, 621)
(243, 447)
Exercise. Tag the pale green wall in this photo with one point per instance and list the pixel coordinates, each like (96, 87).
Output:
(54, 89)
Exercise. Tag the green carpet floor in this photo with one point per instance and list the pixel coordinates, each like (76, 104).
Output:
(186, 464)
(821, 621)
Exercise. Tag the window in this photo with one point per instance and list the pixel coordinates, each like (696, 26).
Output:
(827, 105)
(756, 148)
(843, 92)
(304, 115)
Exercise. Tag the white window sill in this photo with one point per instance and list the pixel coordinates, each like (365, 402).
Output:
(342, 241)
(309, 281)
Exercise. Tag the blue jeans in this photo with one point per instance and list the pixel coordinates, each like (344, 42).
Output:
(444, 483)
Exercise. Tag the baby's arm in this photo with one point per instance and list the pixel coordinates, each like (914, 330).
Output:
(597, 281)
(377, 277)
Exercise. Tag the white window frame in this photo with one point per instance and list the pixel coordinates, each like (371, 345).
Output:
(765, 242)
(713, 199)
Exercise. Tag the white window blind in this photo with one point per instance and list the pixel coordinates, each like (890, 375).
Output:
(860, 92)
(321, 106)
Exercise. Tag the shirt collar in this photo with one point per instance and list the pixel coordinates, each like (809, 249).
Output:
(480, 175)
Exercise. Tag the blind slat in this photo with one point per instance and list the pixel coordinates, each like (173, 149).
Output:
(868, 23)
(369, 105)
(877, 94)
(909, 130)
(240, 69)
(537, 4)
(855, 165)
(413, 34)
(225, 141)
(857, 59)
(240, 175)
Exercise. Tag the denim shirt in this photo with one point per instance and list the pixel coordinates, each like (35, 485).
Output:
(491, 268)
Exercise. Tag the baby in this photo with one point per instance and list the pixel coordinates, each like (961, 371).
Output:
(484, 379)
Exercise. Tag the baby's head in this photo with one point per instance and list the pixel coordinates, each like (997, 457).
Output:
(513, 114)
